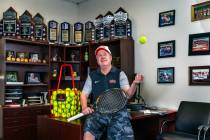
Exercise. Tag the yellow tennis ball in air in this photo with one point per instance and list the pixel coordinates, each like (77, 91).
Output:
(142, 39)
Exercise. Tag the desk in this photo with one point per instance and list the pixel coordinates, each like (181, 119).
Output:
(145, 127)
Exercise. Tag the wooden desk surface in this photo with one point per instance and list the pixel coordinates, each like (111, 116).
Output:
(145, 127)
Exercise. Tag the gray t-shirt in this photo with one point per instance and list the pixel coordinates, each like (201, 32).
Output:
(88, 83)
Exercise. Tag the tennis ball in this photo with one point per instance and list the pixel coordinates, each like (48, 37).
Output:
(142, 39)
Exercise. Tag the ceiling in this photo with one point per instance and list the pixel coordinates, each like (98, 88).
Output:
(77, 2)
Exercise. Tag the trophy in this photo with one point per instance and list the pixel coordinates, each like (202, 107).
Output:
(89, 31)
(26, 26)
(10, 23)
(120, 23)
(78, 33)
(108, 26)
(65, 33)
(99, 28)
(40, 28)
(53, 31)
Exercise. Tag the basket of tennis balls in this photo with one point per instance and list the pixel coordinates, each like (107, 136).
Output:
(65, 103)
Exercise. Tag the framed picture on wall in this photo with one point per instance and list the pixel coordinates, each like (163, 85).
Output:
(167, 18)
(200, 11)
(199, 44)
(165, 75)
(166, 49)
(199, 75)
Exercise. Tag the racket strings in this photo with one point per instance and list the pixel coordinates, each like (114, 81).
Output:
(112, 101)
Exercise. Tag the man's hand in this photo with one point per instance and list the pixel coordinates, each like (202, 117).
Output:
(87, 110)
(138, 78)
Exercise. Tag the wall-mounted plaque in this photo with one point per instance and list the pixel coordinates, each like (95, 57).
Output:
(108, 25)
(40, 29)
(120, 18)
(65, 33)
(26, 26)
(89, 31)
(99, 27)
(10, 23)
(53, 31)
(78, 33)
(1, 27)
(129, 27)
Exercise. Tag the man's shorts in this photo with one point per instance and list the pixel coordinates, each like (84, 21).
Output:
(118, 125)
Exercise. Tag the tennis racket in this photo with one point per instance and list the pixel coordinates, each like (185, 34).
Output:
(110, 101)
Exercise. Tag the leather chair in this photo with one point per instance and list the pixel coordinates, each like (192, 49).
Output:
(192, 122)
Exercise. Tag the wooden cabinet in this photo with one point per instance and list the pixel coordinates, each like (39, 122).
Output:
(122, 55)
(20, 123)
(73, 55)
(20, 67)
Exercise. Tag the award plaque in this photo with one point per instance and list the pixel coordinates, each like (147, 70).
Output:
(99, 28)
(1, 28)
(120, 18)
(10, 23)
(53, 31)
(26, 26)
(129, 28)
(89, 31)
(40, 29)
(78, 33)
(108, 25)
(65, 33)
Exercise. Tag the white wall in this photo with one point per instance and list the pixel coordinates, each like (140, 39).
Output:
(144, 15)
(59, 10)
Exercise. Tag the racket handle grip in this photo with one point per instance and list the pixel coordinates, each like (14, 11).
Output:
(75, 117)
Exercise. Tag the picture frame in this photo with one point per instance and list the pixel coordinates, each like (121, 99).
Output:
(10, 54)
(199, 75)
(166, 49)
(34, 57)
(199, 44)
(32, 78)
(165, 75)
(167, 18)
(11, 76)
(21, 55)
(200, 11)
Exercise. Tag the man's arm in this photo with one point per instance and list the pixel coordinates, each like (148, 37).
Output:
(130, 90)
(84, 96)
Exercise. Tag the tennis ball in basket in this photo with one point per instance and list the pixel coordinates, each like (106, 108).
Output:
(142, 39)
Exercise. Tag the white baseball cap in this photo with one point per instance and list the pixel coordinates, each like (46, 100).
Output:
(105, 48)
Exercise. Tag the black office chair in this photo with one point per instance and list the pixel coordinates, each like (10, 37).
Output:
(192, 123)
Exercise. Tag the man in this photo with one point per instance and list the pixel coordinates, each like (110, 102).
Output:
(106, 77)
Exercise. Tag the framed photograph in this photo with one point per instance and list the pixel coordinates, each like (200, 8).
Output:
(166, 49)
(21, 55)
(34, 57)
(199, 75)
(200, 11)
(165, 75)
(199, 44)
(10, 54)
(167, 18)
(11, 76)
(33, 78)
